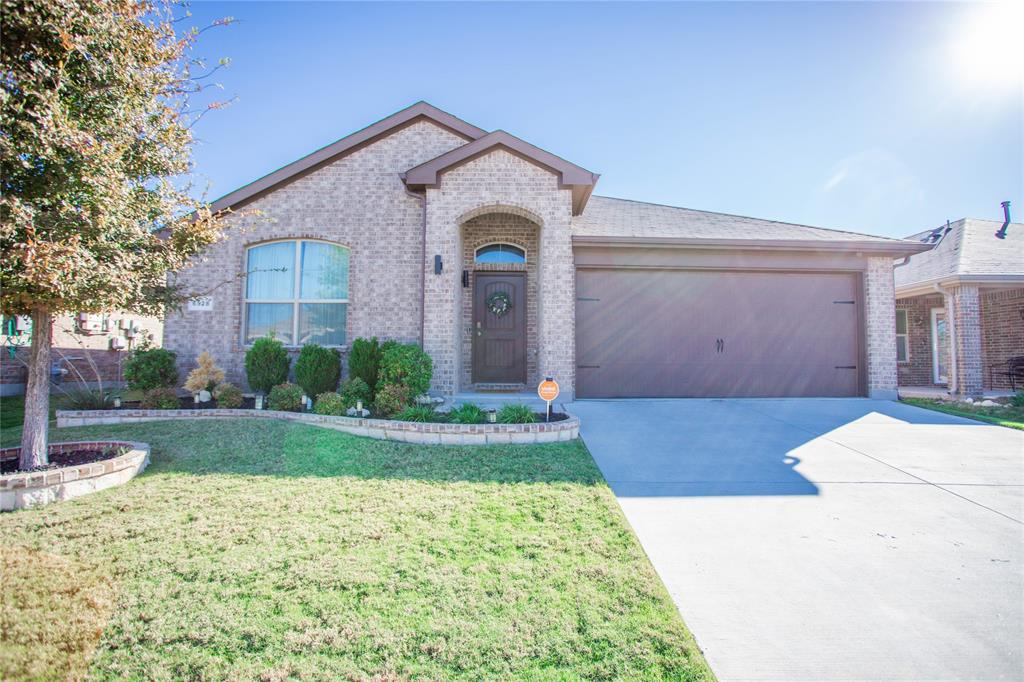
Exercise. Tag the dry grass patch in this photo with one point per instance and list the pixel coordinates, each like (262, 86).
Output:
(52, 614)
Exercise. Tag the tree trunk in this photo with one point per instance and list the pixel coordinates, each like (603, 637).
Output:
(34, 439)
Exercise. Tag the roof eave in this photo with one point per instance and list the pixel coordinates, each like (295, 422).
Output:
(347, 145)
(929, 286)
(880, 248)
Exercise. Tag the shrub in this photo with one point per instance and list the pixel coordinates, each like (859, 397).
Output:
(330, 403)
(206, 376)
(516, 414)
(408, 365)
(355, 389)
(467, 413)
(87, 399)
(391, 399)
(418, 413)
(286, 397)
(151, 368)
(266, 364)
(160, 399)
(317, 369)
(228, 396)
(1018, 399)
(363, 362)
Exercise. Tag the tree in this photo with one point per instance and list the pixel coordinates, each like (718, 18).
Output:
(98, 100)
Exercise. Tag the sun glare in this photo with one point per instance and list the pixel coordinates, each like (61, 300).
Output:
(988, 50)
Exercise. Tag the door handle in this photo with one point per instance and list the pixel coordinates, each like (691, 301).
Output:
(719, 345)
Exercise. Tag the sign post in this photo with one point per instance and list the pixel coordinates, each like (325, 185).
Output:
(548, 391)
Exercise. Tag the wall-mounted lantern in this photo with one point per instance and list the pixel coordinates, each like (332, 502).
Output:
(465, 279)
(438, 265)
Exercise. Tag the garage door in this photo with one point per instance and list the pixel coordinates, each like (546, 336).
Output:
(695, 333)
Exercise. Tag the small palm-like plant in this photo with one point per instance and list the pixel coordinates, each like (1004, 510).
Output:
(467, 413)
(516, 414)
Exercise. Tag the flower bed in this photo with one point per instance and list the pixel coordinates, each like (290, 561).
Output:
(428, 433)
(22, 489)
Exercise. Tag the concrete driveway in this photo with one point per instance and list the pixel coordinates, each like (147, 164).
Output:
(826, 539)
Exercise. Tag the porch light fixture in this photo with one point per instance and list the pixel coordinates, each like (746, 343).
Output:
(465, 279)
(438, 264)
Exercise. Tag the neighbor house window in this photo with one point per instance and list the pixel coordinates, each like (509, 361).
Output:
(500, 253)
(902, 349)
(297, 290)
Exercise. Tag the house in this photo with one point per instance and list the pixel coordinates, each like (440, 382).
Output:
(960, 308)
(88, 349)
(496, 256)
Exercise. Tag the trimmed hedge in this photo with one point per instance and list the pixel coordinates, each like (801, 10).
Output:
(317, 369)
(160, 399)
(266, 364)
(407, 365)
(285, 397)
(364, 361)
(151, 368)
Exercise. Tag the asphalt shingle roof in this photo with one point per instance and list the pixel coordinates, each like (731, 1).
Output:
(610, 217)
(969, 249)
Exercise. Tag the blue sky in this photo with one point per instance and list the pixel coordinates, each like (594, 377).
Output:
(885, 118)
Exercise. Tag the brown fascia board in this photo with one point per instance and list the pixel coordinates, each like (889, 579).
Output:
(346, 145)
(879, 248)
(570, 176)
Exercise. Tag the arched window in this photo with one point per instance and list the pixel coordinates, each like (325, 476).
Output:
(298, 290)
(500, 253)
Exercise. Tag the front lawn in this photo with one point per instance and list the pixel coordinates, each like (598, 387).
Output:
(1010, 416)
(265, 550)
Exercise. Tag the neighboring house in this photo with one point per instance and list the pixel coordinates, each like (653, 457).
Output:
(88, 350)
(493, 254)
(960, 307)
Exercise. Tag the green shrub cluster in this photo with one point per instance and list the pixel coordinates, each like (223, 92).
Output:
(228, 396)
(363, 361)
(1018, 399)
(285, 397)
(150, 368)
(391, 399)
(317, 369)
(266, 364)
(467, 413)
(516, 414)
(330, 403)
(160, 399)
(419, 413)
(355, 389)
(408, 365)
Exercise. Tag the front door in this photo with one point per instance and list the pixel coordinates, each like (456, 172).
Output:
(940, 346)
(499, 328)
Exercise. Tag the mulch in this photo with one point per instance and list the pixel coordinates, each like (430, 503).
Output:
(62, 459)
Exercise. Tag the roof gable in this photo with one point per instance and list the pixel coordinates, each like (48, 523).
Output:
(346, 145)
(570, 176)
(967, 250)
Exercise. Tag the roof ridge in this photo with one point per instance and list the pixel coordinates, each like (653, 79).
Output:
(746, 217)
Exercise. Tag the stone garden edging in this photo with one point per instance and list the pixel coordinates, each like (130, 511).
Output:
(381, 429)
(21, 490)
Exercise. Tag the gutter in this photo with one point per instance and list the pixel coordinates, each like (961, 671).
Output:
(881, 248)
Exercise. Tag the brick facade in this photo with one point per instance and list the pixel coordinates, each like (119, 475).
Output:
(359, 202)
(965, 303)
(880, 327)
(1002, 332)
(499, 182)
(918, 369)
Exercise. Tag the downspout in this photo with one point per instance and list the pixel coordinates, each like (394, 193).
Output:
(947, 300)
(423, 262)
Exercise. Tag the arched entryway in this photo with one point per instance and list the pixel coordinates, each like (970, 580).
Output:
(499, 316)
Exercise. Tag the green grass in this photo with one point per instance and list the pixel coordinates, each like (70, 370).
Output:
(1011, 417)
(267, 550)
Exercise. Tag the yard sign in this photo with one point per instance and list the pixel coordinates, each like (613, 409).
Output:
(548, 391)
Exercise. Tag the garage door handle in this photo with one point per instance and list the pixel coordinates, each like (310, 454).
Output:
(846, 366)
(588, 366)
(719, 345)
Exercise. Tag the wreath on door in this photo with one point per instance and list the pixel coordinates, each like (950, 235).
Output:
(499, 303)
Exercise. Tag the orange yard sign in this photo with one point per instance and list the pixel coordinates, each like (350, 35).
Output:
(548, 389)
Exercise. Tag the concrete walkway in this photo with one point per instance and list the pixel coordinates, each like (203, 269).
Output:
(827, 539)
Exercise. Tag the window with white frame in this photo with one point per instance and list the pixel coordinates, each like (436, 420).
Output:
(902, 338)
(500, 253)
(297, 290)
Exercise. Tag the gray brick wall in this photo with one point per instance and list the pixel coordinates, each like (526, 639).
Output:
(880, 327)
(359, 202)
(1002, 333)
(965, 302)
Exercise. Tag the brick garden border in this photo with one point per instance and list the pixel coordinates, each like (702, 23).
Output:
(381, 429)
(36, 488)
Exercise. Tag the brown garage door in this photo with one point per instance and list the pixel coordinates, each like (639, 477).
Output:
(694, 333)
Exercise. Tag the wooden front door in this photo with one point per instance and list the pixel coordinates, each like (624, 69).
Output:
(499, 328)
